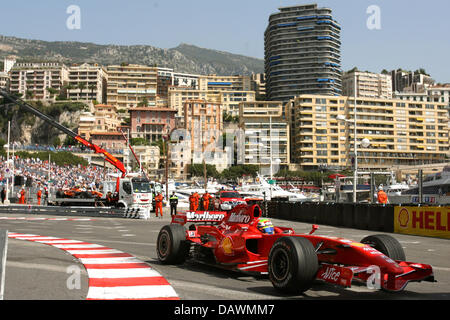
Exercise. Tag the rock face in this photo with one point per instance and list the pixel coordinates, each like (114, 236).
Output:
(28, 129)
(184, 58)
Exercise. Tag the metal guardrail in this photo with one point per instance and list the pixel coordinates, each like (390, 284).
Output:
(72, 211)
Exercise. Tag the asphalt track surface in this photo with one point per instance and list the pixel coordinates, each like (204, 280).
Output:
(37, 271)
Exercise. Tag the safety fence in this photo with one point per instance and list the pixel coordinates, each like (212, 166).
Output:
(72, 211)
(408, 219)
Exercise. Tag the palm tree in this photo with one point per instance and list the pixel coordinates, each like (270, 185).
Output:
(81, 86)
(68, 87)
(92, 87)
(52, 92)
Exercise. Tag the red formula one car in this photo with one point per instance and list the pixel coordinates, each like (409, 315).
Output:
(234, 240)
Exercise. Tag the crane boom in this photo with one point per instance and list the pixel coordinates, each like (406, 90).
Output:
(108, 157)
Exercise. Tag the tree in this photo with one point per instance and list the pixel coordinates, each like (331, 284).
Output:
(81, 86)
(29, 94)
(139, 142)
(52, 91)
(160, 144)
(143, 102)
(235, 172)
(68, 87)
(196, 170)
(92, 87)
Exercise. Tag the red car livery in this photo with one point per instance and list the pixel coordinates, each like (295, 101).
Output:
(292, 261)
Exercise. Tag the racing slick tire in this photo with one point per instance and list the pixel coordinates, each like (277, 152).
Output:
(172, 246)
(292, 265)
(387, 245)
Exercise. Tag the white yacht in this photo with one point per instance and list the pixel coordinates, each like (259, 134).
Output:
(262, 189)
(435, 190)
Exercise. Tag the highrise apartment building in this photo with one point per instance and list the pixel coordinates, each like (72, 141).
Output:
(87, 82)
(265, 127)
(38, 81)
(302, 53)
(409, 81)
(368, 85)
(130, 85)
(400, 132)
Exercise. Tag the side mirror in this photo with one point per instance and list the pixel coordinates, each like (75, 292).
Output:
(314, 228)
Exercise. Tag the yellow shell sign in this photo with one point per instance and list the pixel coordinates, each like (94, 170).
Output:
(423, 221)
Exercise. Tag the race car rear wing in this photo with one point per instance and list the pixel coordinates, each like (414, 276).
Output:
(199, 217)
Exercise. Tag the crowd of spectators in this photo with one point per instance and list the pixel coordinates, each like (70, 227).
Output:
(59, 177)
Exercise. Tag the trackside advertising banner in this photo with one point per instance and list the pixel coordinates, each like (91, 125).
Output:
(423, 221)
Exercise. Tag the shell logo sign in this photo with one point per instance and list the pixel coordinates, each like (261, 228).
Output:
(423, 221)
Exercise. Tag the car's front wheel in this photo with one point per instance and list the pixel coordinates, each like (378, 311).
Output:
(292, 264)
(171, 246)
(387, 245)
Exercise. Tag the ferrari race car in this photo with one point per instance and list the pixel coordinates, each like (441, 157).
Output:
(238, 240)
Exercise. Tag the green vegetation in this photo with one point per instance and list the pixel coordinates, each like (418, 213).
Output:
(196, 170)
(232, 173)
(226, 117)
(139, 142)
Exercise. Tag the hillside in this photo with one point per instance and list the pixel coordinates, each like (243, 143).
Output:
(184, 58)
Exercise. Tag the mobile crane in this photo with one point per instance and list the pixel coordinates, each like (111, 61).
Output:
(130, 192)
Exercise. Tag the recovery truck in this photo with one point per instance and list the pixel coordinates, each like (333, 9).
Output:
(125, 192)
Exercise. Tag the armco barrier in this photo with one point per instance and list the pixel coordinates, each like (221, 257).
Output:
(69, 211)
(373, 217)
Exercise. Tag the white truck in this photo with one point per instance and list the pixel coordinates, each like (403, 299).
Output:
(135, 194)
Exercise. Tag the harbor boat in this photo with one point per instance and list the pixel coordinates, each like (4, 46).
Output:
(263, 189)
(435, 190)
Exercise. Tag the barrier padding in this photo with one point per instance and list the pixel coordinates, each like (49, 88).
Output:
(363, 216)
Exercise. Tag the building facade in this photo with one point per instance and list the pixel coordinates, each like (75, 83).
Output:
(151, 124)
(8, 63)
(368, 85)
(38, 81)
(400, 132)
(131, 85)
(87, 82)
(104, 118)
(266, 132)
(168, 77)
(302, 53)
(4, 80)
(228, 99)
(409, 81)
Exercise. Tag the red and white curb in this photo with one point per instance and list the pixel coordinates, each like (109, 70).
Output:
(39, 218)
(113, 274)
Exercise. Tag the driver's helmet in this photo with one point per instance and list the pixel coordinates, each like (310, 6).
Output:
(265, 226)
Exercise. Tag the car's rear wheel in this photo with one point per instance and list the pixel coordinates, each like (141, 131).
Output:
(172, 246)
(292, 264)
(387, 245)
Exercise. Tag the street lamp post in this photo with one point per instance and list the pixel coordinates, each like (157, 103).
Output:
(364, 143)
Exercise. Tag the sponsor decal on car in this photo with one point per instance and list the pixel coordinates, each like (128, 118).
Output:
(227, 246)
(204, 216)
(239, 218)
(335, 274)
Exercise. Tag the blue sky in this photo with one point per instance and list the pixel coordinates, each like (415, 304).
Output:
(413, 34)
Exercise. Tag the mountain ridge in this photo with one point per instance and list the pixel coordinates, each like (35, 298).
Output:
(185, 57)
